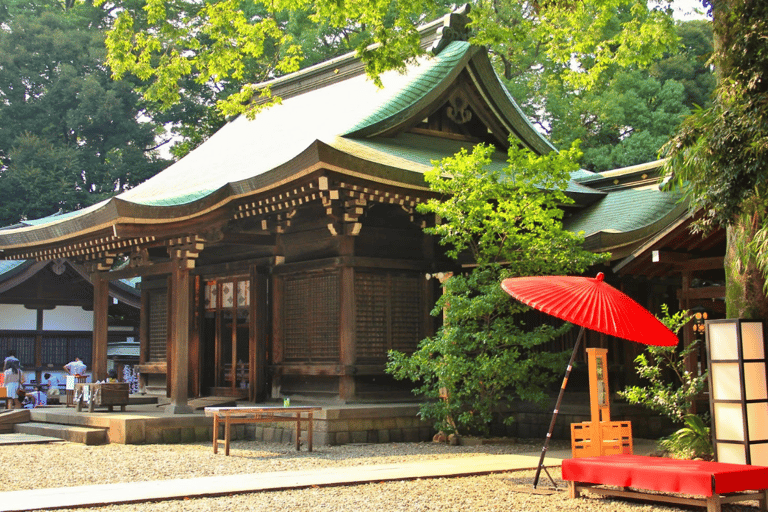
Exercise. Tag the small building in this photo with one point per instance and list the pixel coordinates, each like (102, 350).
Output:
(46, 315)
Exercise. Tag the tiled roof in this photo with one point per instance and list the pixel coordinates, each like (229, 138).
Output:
(624, 211)
(427, 77)
(9, 265)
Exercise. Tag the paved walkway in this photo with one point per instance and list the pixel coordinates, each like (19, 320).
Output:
(136, 492)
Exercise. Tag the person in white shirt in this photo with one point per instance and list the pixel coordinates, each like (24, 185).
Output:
(13, 379)
(76, 367)
(53, 386)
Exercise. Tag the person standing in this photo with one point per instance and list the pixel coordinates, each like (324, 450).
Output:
(14, 378)
(76, 367)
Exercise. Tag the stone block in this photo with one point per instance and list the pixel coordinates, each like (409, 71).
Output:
(343, 438)
(405, 422)
(411, 435)
(396, 435)
(171, 435)
(385, 423)
(321, 439)
(373, 436)
(269, 434)
(338, 426)
(359, 436)
(187, 435)
(383, 435)
(154, 436)
(203, 434)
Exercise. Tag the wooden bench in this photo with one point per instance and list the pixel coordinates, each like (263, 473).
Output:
(238, 415)
(710, 484)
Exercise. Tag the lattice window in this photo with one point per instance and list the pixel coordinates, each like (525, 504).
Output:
(311, 317)
(389, 313)
(23, 345)
(60, 349)
(372, 297)
(407, 317)
(158, 326)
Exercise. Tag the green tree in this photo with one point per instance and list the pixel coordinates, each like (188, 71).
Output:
(69, 133)
(720, 155)
(673, 399)
(627, 116)
(248, 41)
(508, 221)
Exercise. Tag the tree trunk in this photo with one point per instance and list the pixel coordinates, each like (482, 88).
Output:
(744, 294)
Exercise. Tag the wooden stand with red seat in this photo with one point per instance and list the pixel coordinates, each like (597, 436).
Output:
(717, 482)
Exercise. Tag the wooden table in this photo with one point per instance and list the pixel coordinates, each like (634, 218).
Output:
(236, 415)
(102, 394)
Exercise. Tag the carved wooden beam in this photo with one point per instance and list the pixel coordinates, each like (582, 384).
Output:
(184, 250)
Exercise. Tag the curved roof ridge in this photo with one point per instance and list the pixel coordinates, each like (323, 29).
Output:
(439, 71)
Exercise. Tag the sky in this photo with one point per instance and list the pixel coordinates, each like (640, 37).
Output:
(686, 9)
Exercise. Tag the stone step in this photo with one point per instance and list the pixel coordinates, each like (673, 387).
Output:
(73, 434)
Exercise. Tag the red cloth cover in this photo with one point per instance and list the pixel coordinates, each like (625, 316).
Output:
(701, 478)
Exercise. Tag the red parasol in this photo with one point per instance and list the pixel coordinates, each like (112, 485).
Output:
(592, 304)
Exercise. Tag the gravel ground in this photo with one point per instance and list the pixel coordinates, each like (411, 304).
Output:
(132, 463)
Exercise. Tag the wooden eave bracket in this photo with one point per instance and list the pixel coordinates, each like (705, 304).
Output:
(184, 250)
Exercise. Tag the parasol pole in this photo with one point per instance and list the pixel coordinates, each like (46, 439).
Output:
(554, 413)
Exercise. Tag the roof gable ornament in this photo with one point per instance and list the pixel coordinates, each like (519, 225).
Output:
(454, 29)
(459, 111)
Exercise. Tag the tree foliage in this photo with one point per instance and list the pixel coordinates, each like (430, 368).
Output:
(69, 135)
(506, 219)
(245, 42)
(630, 113)
(720, 155)
(234, 44)
(671, 398)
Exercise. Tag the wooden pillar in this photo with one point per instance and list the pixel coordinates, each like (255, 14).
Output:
(178, 370)
(143, 338)
(278, 285)
(196, 313)
(100, 323)
(39, 345)
(691, 361)
(347, 334)
(258, 335)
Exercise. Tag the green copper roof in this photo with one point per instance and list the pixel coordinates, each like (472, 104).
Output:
(9, 265)
(624, 211)
(417, 152)
(427, 77)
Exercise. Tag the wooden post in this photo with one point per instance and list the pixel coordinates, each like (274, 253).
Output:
(278, 285)
(347, 333)
(100, 322)
(39, 345)
(179, 358)
(143, 338)
(258, 335)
